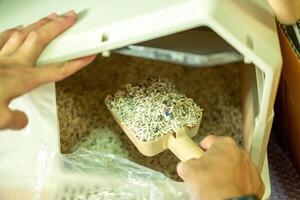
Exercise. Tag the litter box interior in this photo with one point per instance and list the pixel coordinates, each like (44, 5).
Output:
(222, 91)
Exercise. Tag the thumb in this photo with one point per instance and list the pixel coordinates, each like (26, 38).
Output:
(37, 76)
(59, 71)
(12, 119)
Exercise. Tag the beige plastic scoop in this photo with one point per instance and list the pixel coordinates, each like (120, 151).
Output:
(180, 142)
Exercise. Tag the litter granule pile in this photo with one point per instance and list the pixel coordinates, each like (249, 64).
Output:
(85, 120)
(154, 108)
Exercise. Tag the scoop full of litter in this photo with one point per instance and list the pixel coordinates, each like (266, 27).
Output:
(154, 108)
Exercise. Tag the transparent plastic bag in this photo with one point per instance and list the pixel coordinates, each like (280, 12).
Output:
(31, 166)
(92, 175)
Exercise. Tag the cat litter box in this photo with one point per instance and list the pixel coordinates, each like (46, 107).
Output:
(195, 33)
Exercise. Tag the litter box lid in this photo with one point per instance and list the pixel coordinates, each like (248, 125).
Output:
(104, 25)
(248, 26)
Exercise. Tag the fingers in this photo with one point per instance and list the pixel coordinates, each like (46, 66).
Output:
(182, 170)
(218, 146)
(59, 71)
(287, 12)
(38, 39)
(12, 119)
(39, 23)
(208, 141)
(4, 36)
(206, 178)
(34, 77)
(187, 169)
(31, 78)
(15, 37)
(13, 43)
(220, 141)
(25, 79)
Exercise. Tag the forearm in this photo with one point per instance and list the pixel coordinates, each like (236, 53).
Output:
(287, 11)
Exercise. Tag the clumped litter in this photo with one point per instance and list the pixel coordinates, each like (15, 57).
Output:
(154, 108)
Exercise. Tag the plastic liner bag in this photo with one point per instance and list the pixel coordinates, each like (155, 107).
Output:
(31, 166)
(107, 176)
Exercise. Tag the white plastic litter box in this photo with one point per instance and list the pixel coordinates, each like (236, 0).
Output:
(249, 27)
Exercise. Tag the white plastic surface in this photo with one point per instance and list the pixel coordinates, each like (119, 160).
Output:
(124, 22)
(183, 48)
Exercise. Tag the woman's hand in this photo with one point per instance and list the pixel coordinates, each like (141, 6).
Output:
(19, 50)
(287, 11)
(224, 171)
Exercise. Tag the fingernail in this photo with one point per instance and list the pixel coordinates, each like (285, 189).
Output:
(52, 16)
(69, 13)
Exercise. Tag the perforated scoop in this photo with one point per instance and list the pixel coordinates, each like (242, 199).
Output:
(178, 140)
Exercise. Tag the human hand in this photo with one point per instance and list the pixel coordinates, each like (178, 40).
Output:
(19, 50)
(287, 11)
(224, 171)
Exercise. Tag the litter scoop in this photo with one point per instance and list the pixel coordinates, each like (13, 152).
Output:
(155, 117)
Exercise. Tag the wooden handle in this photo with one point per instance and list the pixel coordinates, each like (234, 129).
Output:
(184, 147)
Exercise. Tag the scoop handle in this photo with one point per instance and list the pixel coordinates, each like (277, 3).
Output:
(184, 147)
